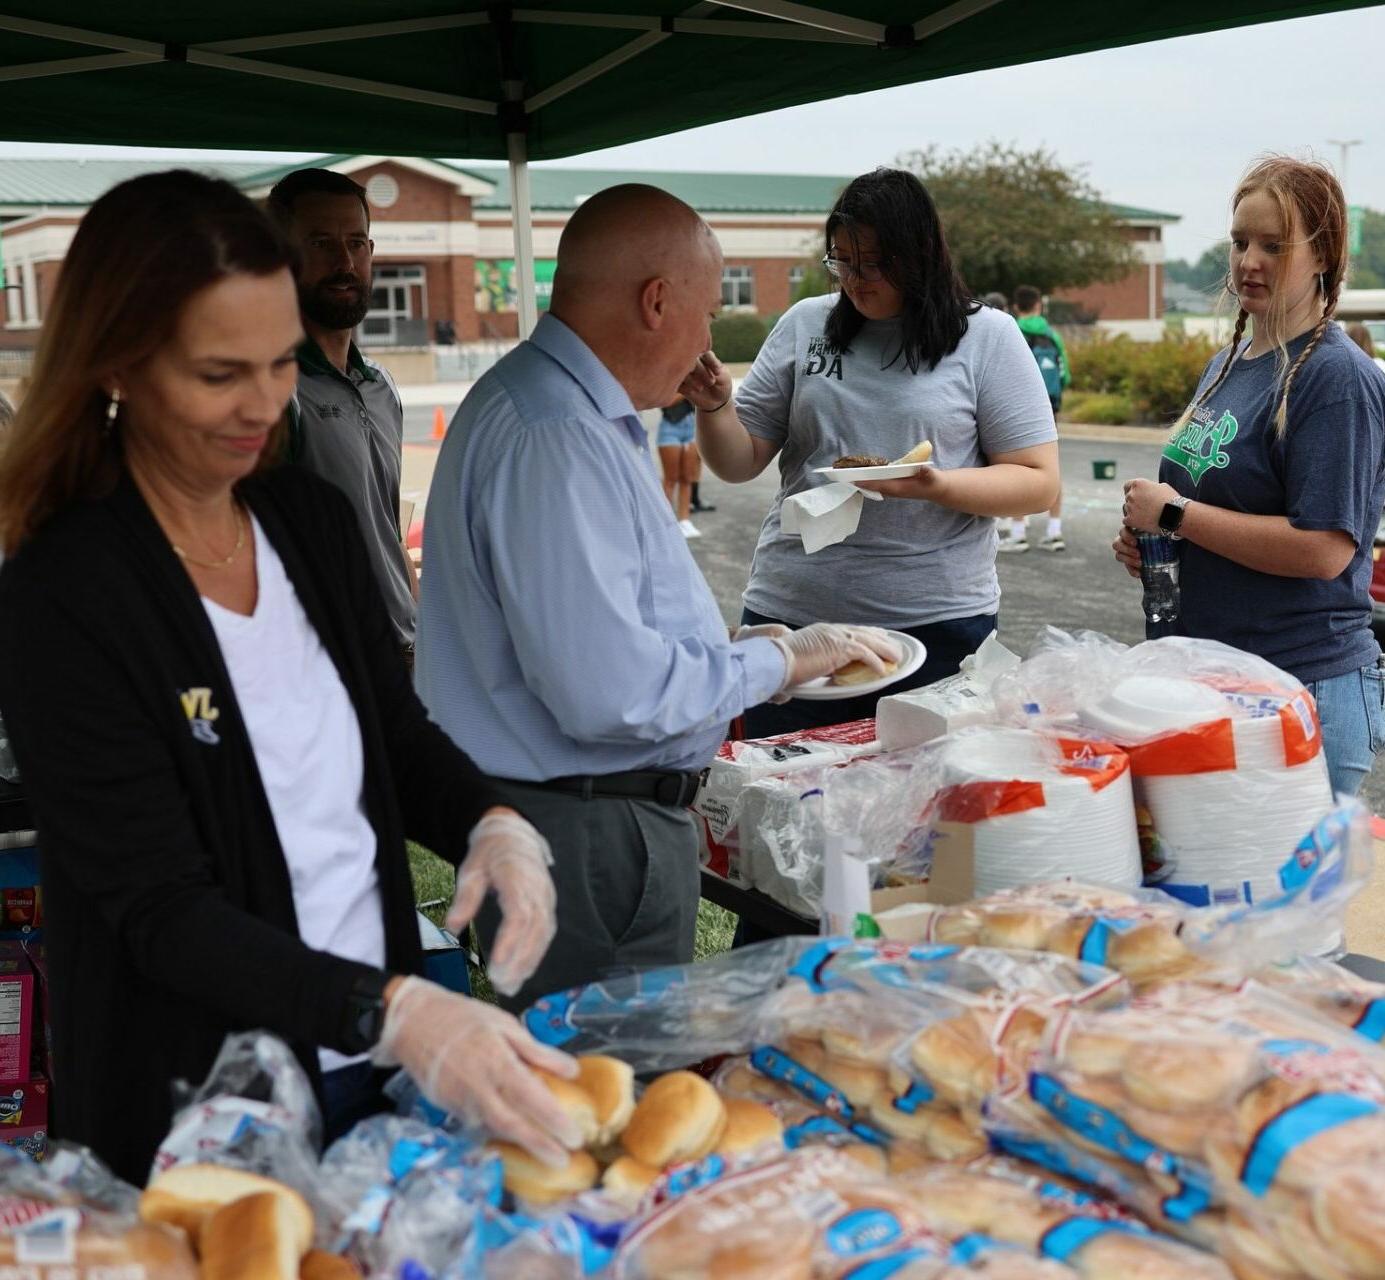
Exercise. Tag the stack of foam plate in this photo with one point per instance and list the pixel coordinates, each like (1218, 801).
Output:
(1221, 834)
(1038, 811)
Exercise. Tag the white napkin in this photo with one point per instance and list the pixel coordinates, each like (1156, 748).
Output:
(825, 515)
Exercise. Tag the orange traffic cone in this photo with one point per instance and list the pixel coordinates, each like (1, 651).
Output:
(439, 423)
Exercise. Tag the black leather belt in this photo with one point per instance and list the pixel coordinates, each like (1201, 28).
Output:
(670, 787)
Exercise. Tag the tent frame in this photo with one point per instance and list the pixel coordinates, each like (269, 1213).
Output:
(791, 22)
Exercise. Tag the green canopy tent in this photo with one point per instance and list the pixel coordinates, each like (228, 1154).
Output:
(442, 77)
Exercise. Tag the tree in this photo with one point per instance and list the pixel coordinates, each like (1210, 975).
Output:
(1206, 273)
(1368, 266)
(1018, 217)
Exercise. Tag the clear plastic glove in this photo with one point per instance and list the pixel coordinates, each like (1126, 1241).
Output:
(764, 630)
(825, 647)
(505, 854)
(477, 1062)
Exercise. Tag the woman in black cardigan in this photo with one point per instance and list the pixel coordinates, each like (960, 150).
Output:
(213, 799)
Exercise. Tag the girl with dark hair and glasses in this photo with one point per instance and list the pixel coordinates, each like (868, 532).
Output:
(900, 353)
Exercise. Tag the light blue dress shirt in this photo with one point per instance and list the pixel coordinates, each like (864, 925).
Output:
(565, 627)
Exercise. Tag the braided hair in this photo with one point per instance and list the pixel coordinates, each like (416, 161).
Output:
(1310, 197)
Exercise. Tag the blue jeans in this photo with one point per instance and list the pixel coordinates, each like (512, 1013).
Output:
(1352, 710)
(947, 644)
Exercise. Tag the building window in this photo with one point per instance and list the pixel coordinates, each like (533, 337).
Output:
(737, 286)
(398, 309)
(795, 279)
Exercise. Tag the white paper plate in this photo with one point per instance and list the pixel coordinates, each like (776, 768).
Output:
(913, 654)
(894, 471)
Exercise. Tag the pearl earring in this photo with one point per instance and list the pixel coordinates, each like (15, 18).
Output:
(113, 410)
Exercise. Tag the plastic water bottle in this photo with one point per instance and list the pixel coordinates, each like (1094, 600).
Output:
(1159, 574)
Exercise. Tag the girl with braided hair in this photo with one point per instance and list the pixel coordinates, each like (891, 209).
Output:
(1272, 480)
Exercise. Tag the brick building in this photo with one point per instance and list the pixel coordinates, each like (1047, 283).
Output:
(443, 248)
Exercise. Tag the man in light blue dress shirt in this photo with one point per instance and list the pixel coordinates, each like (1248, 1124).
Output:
(567, 639)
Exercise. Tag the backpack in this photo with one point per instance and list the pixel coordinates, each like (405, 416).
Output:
(1046, 353)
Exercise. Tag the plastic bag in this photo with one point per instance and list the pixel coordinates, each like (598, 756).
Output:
(814, 1213)
(255, 1111)
(1004, 1204)
(902, 1044)
(397, 1191)
(1225, 748)
(1238, 1117)
(72, 1219)
(1151, 937)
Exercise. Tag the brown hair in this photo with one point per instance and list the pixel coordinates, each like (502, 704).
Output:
(1308, 195)
(305, 182)
(1361, 336)
(142, 251)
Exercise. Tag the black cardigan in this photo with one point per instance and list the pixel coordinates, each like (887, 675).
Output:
(170, 917)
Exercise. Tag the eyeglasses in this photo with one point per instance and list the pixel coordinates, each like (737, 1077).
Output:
(870, 272)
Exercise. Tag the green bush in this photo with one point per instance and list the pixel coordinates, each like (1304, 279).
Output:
(1156, 379)
(737, 336)
(1107, 408)
(1165, 376)
(1102, 363)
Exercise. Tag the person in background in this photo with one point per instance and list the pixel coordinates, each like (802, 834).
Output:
(1361, 336)
(1273, 478)
(679, 461)
(1052, 356)
(568, 641)
(347, 421)
(900, 354)
(216, 730)
(996, 300)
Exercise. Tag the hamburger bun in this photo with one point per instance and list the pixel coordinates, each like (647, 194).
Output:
(610, 1084)
(921, 452)
(577, 1102)
(680, 1117)
(528, 1178)
(750, 1126)
(862, 672)
(318, 1264)
(187, 1195)
(253, 1238)
(628, 1180)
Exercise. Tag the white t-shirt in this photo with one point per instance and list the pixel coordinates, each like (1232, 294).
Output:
(909, 563)
(307, 744)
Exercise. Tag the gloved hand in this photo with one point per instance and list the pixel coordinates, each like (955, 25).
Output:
(506, 854)
(768, 630)
(825, 647)
(476, 1061)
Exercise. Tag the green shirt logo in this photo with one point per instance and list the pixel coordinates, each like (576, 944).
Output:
(1199, 446)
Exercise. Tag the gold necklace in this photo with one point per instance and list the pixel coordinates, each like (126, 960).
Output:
(216, 564)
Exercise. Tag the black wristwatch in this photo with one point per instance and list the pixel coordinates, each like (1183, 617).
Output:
(1171, 517)
(365, 1013)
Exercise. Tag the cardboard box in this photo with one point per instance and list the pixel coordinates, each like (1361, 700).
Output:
(16, 1014)
(24, 1116)
(716, 808)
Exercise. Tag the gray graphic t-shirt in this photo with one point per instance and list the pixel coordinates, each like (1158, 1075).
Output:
(909, 563)
(1325, 472)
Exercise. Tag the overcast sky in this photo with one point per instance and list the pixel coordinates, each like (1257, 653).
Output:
(1165, 126)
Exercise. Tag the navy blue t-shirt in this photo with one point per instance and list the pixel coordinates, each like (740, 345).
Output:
(1325, 472)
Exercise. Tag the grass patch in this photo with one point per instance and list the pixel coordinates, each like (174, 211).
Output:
(715, 928)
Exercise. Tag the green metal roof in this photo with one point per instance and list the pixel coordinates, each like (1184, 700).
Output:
(432, 77)
(79, 182)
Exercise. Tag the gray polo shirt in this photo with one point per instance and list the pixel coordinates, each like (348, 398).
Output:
(352, 432)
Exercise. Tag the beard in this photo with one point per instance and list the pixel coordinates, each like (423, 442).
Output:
(332, 312)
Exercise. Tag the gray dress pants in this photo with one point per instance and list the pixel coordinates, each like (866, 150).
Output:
(628, 885)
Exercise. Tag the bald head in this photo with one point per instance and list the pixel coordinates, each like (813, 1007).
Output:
(624, 236)
(638, 279)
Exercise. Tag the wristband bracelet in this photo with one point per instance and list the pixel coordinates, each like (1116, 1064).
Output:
(721, 406)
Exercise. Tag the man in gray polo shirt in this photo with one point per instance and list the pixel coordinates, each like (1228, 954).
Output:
(347, 423)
